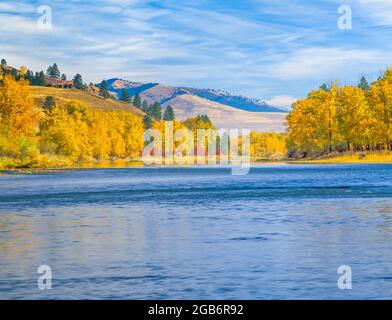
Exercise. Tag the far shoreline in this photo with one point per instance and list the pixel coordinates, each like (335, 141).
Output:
(124, 164)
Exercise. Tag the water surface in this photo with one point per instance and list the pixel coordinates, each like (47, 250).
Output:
(280, 232)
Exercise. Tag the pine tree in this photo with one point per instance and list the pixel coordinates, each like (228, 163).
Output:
(137, 101)
(29, 76)
(324, 87)
(147, 120)
(145, 106)
(41, 79)
(168, 114)
(78, 82)
(53, 71)
(49, 103)
(364, 84)
(156, 111)
(63, 77)
(125, 96)
(3, 62)
(104, 88)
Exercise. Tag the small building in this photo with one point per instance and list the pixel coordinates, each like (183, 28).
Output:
(58, 83)
(8, 69)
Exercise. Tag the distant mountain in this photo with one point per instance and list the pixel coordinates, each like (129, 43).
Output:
(225, 109)
(163, 93)
(236, 101)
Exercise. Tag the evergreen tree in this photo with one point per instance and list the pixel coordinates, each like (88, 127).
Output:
(204, 118)
(324, 87)
(29, 76)
(78, 82)
(145, 107)
(168, 114)
(34, 80)
(147, 120)
(364, 84)
(137, 101)
(41, 79)
(49, 103)
(104, 88)
(53, 71)
(3, 62)
(125, 96)
(156, 111)
(63, 77)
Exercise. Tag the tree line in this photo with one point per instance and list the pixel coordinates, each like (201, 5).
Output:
(39, 78)
(61, 133)
(343, 118)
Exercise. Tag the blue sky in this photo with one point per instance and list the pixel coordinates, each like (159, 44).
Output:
(272, 50)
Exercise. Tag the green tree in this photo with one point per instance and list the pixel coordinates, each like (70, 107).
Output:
(324, 87)
(63, 77)
(156, 111)
(53, 71)
(147, 120)
(49, 103)
(145, 106)
(364, 84)
(125, 96)
(29, 76)
(104, 88)
(3, 62)
(78, 82)
(41, 79)
(168, 115)
(137, 101)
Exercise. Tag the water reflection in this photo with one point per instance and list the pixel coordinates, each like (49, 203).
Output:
(167, 233)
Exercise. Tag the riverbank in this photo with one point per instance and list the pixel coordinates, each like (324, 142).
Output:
(54, 163)
(349, 158)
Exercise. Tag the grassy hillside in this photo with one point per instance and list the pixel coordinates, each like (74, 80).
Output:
(95, 102)
(224, 116)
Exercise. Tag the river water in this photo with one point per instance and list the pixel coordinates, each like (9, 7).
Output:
(280, 232)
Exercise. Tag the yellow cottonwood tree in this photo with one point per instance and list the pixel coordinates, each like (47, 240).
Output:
(18, 113)
(305, 131)
(380, 103)
(265, 144)
(352, 116)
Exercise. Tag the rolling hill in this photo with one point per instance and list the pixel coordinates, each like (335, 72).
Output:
(223, 116)
(91, 100)
(224, 109)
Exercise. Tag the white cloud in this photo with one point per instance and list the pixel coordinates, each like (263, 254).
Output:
(380, 11)
(282, 101)
(323, 63)
(16, 7)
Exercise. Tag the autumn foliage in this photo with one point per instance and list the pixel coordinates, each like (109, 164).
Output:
(18, 114)
(344, 118)
(69, 132)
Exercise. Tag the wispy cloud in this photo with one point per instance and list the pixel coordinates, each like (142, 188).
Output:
(324, 63)
(282, 101)
(269, 50)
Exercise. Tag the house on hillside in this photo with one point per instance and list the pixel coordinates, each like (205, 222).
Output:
(8, 69)
(58, 83)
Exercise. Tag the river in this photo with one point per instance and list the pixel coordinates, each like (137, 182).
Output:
(280, 232)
